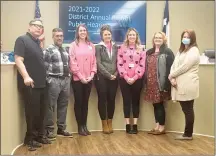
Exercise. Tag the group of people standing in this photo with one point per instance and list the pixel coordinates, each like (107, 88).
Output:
(45, 77)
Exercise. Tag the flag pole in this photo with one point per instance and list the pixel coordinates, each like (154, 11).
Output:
(38, 15)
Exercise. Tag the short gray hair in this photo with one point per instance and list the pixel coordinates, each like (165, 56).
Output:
(34, 20)
(57, 30)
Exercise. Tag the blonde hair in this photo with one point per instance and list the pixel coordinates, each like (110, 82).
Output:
(163, 36)
(137, 42)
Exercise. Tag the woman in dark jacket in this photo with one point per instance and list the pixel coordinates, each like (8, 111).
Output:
(158, 63)
(106, 80)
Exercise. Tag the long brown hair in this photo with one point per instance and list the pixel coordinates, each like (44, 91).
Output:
(87, 40)
(193, 42)
(137, 42)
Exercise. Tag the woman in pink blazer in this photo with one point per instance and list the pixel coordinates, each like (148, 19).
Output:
(83, 68)
(131, 67)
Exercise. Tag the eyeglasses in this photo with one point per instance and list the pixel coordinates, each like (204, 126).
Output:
(38, 26)
(58, 36)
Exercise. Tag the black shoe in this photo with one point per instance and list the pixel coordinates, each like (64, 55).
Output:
(43, 140)
(128, 129)
(86, 130)
(32, 145)
(81, 131)
(134, 131)
(64, 133)
(51, 136)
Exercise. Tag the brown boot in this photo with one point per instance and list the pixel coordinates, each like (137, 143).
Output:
(110, 125)
(105, 127)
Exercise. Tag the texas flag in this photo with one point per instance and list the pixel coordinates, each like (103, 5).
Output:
(166, 22)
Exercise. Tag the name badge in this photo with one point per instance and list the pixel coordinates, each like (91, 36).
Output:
(90, 47)
(131, 65)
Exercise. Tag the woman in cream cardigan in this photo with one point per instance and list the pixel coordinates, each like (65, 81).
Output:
(185, 80)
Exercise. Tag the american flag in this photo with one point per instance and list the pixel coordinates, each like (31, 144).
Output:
(37, 10)
(166, 22)
(38, 15)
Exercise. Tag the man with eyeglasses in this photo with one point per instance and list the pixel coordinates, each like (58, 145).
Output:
(32, 83)
(58, 82)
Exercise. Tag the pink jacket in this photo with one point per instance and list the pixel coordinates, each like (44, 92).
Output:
(131, 63)
(82, 60)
